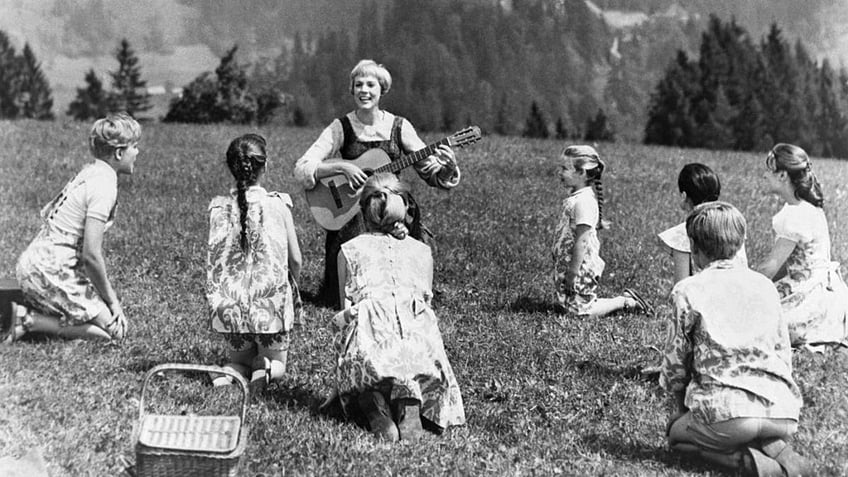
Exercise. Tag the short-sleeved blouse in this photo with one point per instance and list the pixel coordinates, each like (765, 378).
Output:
(806, 225)
(579, 208)
(92, 193)
(675, 238)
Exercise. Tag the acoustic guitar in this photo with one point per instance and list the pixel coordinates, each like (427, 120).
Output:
(333, 202)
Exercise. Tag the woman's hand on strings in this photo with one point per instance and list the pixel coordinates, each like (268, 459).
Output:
(355, 176)
(444, 164)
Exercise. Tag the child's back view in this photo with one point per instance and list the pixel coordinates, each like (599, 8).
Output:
(252, 249)
(728, 362)
(697, 184)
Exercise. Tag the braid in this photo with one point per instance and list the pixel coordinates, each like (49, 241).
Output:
(599, 194)
(586, 158)
(242, 205)
(246, 160)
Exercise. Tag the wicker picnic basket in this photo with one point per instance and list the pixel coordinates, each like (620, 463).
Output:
(187, 445)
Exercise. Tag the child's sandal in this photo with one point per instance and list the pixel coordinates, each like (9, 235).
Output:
(641, 303)
(274, 370)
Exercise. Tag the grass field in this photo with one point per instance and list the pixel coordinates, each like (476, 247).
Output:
(544, 394)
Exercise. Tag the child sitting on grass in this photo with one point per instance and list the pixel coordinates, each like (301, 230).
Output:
(728, 362)
(577, 263)
(697, 184)
(252, 251)
(813, 294)
(62, 273)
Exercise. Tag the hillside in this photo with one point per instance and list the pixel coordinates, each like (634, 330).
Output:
(178, 39)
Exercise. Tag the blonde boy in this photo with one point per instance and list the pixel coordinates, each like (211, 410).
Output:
(727, 358)
(62, 273)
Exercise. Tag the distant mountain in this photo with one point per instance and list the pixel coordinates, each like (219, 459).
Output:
(178, 39)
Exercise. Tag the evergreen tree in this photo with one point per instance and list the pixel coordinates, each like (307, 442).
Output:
(129, 91)
(9, 77)
(198, 103)
(536, 126)
(598, 128)
(749, 129)
(714, 121)
(369, 41)
(808, 101)
(671, 119)
(234, 98)
(91, 101)
(224, 96)
(35, 100)
(560, 131)
(782, 103)
(830, 120)
(502, 124)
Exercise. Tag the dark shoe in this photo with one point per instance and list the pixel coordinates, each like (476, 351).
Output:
(10, 293)
(757, 464)
(792, 463)
(8, 321)
(18, 316)
(408, 413)
(373, 405)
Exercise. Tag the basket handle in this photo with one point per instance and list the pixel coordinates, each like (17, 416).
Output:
(194, 368)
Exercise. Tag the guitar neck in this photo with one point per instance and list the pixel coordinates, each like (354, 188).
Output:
(412, 158)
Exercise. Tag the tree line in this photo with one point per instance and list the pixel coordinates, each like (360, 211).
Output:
(540, 69)
(743, 95)
(24, 90)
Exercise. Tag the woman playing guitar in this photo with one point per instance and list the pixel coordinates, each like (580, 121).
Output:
(365, 128)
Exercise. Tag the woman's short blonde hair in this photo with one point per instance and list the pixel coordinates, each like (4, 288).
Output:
(113, 132)
(372, 68)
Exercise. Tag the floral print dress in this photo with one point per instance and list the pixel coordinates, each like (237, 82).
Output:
(392, 341)
(812, 292)
(249, 293)
(579, 208)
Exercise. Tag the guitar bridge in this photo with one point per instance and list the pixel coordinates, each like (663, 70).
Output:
(334, 191)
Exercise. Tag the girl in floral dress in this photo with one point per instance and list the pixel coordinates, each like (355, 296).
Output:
(253, 250)
(577, 263)
(388, 343)
(813, 295)
(62, 273)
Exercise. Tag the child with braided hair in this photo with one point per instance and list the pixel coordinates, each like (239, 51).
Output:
(577, 263)
(252, 253)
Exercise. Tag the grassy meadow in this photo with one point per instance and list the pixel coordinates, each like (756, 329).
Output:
(544, 394)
